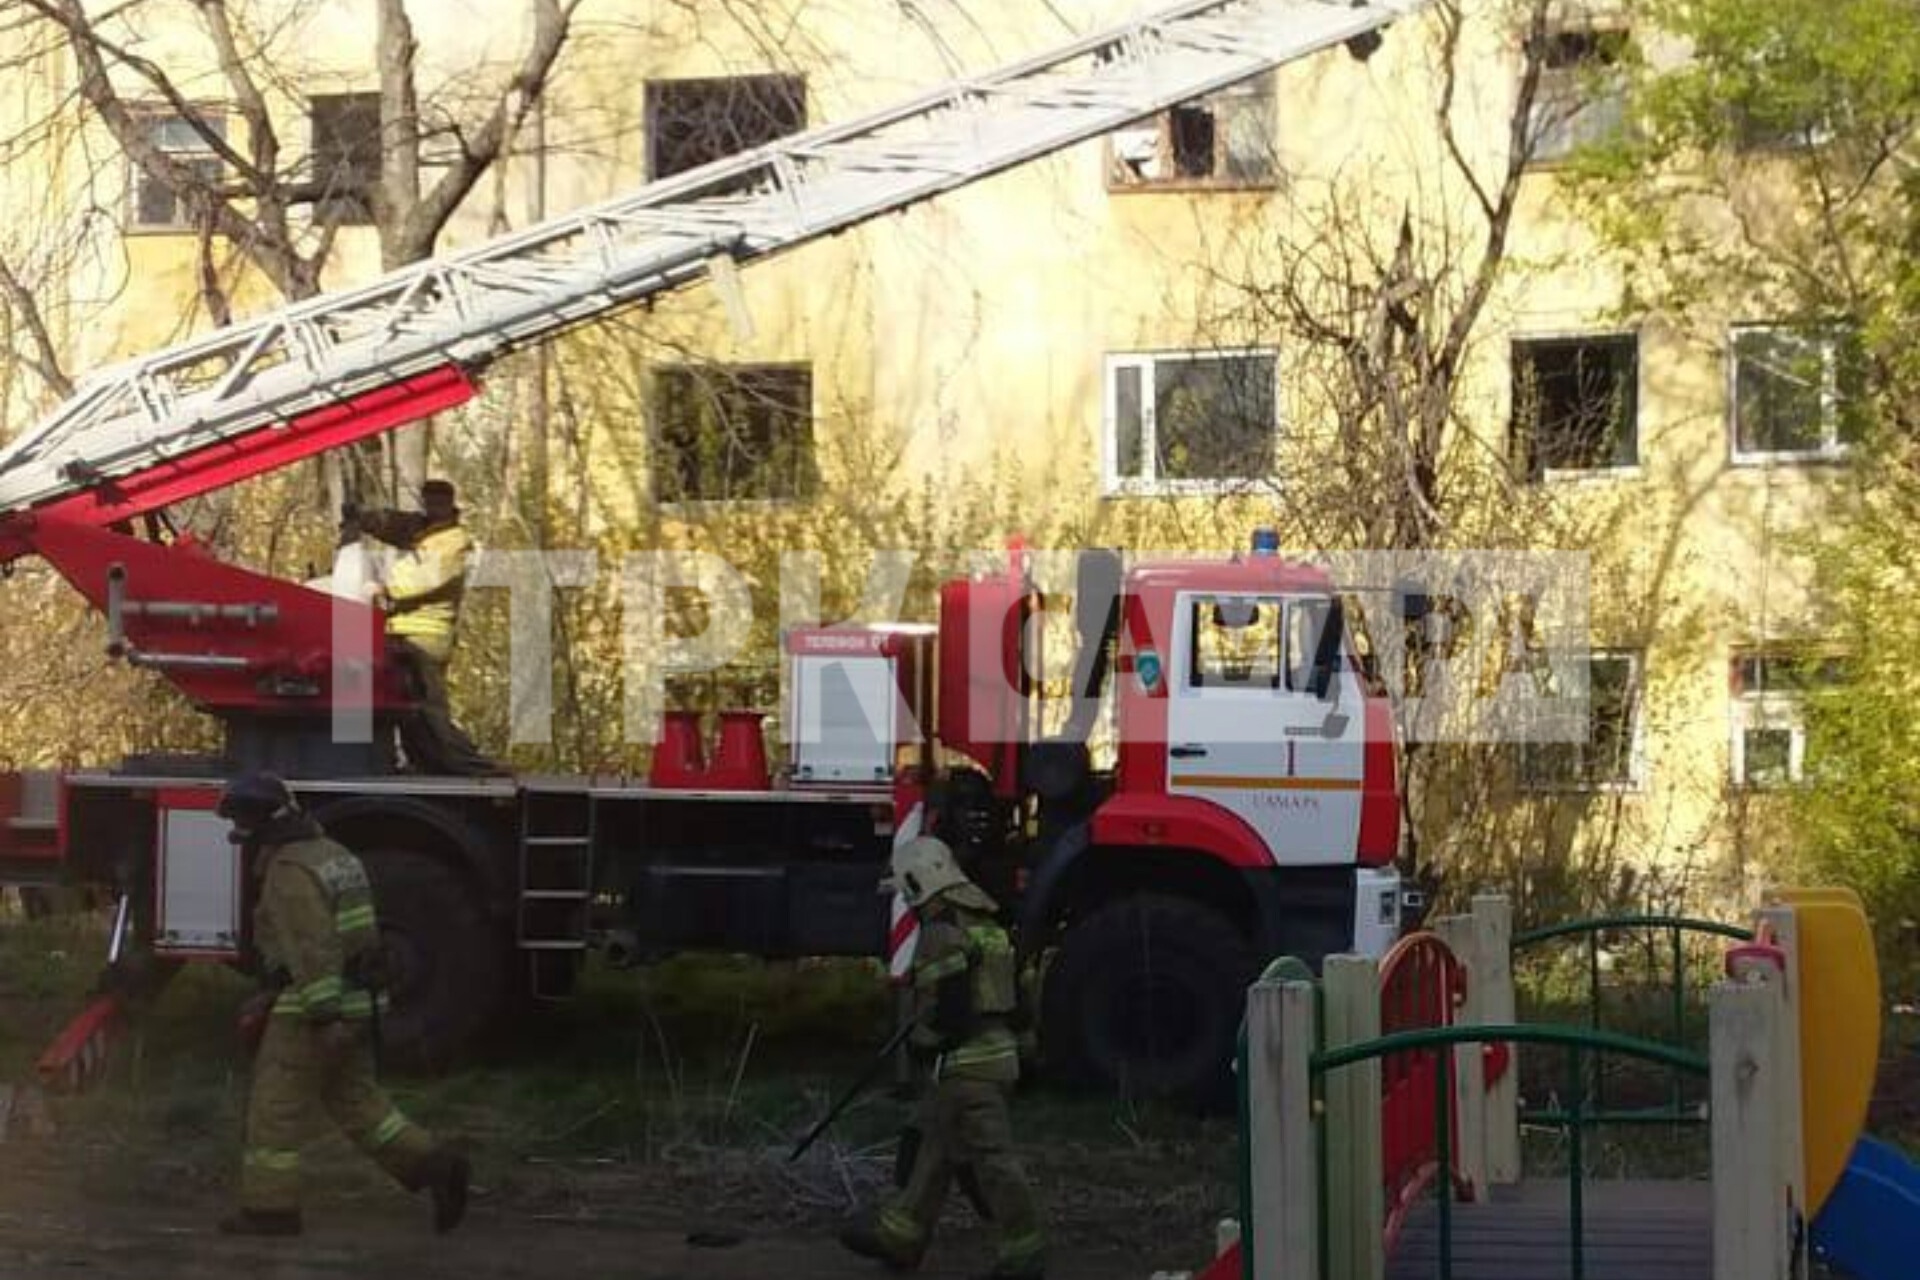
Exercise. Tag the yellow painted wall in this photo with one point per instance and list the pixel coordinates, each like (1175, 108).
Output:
(964, 340)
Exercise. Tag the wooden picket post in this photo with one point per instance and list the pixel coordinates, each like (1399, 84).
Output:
(1285, 1230)
(1780, 921)
(1356, 1199)
(1491, 981)
(1752, 1230)
(1469, 1060)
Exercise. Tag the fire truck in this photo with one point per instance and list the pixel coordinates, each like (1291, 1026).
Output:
(1250, 809)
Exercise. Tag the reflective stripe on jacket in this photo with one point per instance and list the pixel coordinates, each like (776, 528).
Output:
(314, 916)
(956, 941)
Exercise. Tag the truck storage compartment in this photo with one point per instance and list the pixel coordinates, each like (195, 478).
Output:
(836, 909)
(713, 907)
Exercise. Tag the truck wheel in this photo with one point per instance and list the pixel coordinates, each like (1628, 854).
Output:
(1145, 997)
(444, 959)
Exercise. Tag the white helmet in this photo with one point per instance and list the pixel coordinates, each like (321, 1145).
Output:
(923, 869)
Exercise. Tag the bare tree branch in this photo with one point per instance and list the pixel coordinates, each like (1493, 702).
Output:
(412, 235)
(45, 360)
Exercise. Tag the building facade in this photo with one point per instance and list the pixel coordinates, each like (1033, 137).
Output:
(1102, 347)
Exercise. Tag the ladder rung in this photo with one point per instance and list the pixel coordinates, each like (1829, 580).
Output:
(556, 842)
(553, 945)
(556, 895)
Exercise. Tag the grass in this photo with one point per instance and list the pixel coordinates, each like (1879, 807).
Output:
(671, 1090)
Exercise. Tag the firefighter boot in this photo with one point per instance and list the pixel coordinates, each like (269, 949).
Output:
(444, 1174)
(261, 1222)
(864, 1237)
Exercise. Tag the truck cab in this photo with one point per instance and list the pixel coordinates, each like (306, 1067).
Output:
(1250, 809)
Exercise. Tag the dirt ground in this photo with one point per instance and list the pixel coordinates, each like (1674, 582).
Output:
(67, 1208)
(641, 1133)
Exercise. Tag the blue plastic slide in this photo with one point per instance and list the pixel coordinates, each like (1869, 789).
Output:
(1870, 1226)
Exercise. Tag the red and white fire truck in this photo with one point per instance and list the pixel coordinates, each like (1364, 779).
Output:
(1252, 808)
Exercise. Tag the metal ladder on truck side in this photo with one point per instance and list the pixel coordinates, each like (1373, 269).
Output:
(169, 414)
(553, 915)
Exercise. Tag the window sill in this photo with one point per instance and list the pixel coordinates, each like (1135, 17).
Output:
(1588, 475)
(1793, 458)
(726, 506)
(1546, 789)
(1194, 186)
(1178, 488)
(161, 229)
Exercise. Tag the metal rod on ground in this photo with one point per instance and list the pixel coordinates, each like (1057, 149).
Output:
(867, 1076)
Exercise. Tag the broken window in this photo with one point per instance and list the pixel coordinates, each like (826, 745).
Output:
(1189, 421)
(1581, 99)
(695, 122)
(1225, 139)
(346, 156)
(157, 205)
(1610, 756)
(734, 432)
(1575, 403)
(1796, 393)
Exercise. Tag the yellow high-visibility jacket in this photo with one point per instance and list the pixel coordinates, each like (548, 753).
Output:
(425, 585)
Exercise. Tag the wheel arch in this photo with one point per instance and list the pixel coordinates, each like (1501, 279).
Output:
(372, 822)
(1077, 877)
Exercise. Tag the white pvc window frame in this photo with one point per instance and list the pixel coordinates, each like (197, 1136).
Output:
(1149, 483)
(1830, 340)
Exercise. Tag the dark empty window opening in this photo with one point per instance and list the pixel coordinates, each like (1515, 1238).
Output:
(1575, 403)
(1225, 139)
(346, 156)
(739, 432)
(1192, 132)
(695, 122)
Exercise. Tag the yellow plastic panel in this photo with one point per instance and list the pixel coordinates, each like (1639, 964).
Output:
(1839, 1008)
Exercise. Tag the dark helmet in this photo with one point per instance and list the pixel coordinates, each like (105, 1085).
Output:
(254, 799)
(438, 499)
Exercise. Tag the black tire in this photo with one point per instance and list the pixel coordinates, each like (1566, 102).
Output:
(445, 959)
(1145, 997)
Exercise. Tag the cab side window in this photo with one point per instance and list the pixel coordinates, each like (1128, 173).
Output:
(1237, 643)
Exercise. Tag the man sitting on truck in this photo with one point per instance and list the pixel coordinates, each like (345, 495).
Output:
(421, 599)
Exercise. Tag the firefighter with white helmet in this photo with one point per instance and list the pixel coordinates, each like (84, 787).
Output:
(964, 999)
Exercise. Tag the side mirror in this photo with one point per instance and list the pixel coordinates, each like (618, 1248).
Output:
(1334, 725)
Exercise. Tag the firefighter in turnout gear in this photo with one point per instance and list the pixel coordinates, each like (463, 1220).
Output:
(964, 999)
(313, 925)
(422, 602)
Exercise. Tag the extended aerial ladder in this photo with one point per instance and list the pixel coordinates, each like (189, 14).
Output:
(264, 655)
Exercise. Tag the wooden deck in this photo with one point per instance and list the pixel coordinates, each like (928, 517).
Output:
(1635, 1231)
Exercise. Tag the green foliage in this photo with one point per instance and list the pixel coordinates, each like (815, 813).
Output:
(1761, 169)
(1859, 815)
(1766, 176)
